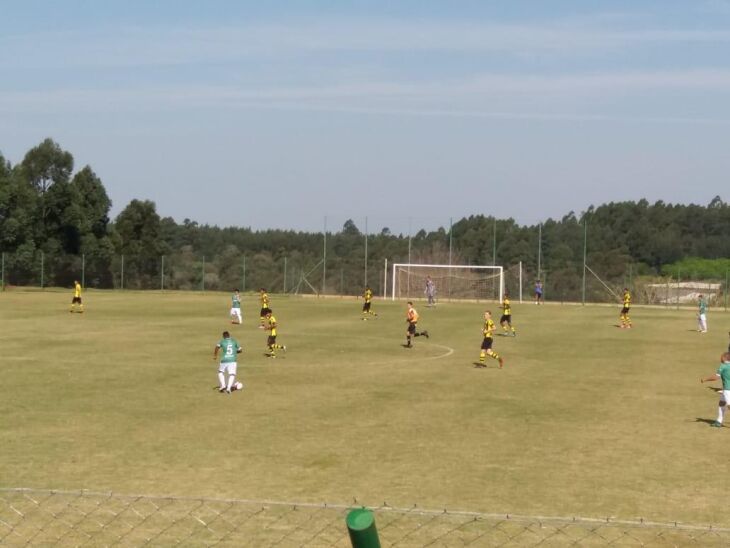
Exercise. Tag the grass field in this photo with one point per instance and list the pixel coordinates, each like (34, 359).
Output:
(585, 419)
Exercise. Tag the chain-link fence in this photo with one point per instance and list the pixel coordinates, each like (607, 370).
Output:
(35, 517)
(300, 274)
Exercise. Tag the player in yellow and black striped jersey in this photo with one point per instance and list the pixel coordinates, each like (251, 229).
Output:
(624, 316)
(488, 332)
(506, 320)
(76, 300)
(411, 331)
(265, 307)
(271, 340)
(368, 298)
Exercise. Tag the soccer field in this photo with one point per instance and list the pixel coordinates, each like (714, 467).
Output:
(585, 419)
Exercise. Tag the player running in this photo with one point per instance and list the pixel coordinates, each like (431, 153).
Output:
(412, 320)
(229, 349)
(488, 332)
(265, 309)
(368, 297)
(722, 374)
(506, 320)
(624, 316)
(236, 308)
(76, 300)
(271, 341)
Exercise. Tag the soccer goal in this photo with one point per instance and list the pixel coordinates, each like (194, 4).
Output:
(456, 282)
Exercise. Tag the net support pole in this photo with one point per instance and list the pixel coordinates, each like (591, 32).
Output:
(121, 277)
(284, 274)
(243, 274)
(361, 528)
(385, 279)
(539, 251)
(42, 269)
(366, 251)
(202, 277)
(83, 270)
(2, 276)
(679, 277)
(162, 273)
(324, 256)
(727, 272)
(520, 281)
(408, 278)
(585, 248)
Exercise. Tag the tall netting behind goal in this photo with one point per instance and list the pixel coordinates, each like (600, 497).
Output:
(447, 282)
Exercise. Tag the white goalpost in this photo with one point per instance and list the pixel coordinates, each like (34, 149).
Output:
(468, 282)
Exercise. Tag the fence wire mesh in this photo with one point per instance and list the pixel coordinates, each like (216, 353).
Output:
(34, 517)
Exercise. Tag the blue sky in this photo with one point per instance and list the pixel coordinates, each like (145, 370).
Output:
(276, 114)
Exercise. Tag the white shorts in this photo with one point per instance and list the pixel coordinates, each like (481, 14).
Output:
(231, 367)
(725, 396)
(235, 311)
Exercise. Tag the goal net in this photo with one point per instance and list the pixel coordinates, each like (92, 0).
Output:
(482, 283)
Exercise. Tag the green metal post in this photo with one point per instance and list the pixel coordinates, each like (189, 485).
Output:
(202, 279)
(243, 280)
(324, 257)
(121, 279)
(162, 273)
(42, 269)
(631, 286)
(83, 270)
(539, 250)
(342, 281)
(2, 277)
(679, 277)
(726, 286)
(366, 251)
(585, 248)
(284, 274)
(362, 530)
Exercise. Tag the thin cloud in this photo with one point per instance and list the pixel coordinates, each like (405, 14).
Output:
(472, 97)
(172, 46)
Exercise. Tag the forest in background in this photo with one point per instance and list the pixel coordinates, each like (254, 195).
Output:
(54, 224)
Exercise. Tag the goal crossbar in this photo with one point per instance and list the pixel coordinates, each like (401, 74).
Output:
(498, 271)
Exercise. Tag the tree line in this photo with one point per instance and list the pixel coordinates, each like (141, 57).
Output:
(53, 215)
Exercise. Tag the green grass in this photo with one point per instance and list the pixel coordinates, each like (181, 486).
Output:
(585, 419)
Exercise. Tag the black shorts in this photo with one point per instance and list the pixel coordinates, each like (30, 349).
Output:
(366, 307)
(625, 310)
(264, 311)
(411, 328)
(487, 343)
(76, 300)
(506, 318)
(271, 340)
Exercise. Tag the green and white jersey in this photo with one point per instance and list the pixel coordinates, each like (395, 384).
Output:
(235, 301)
(703, 306)
(724, 373)
(229, 349)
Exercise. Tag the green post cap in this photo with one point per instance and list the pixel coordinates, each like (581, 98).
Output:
(360, 519)
(361, 527)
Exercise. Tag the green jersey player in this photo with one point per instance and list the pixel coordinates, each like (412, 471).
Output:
(722, 374)
(229, 349)
(236, 317)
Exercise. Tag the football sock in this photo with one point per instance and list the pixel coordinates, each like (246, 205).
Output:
(494, 355)
(231, 378)
(222, 380)
(720, 413)
(482, 356)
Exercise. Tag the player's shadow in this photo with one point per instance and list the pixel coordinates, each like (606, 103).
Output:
(706, 421)
(714, 389)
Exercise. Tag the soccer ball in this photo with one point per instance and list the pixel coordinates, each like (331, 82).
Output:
(239, 386)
